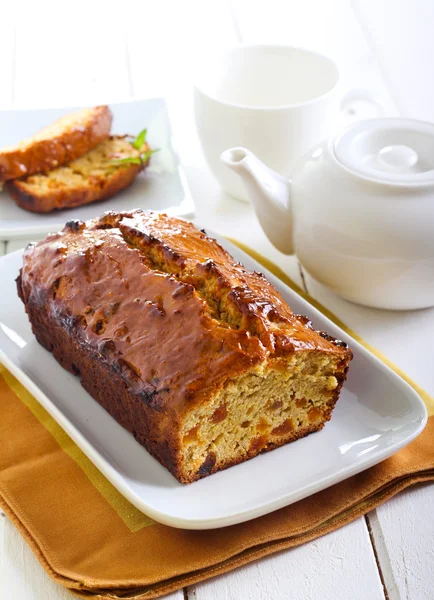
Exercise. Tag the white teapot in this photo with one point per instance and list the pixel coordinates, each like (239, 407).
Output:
(358, 211)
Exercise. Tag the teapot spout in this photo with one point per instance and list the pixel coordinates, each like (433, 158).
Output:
(270, 194)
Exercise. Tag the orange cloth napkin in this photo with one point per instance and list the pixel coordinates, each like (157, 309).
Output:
(91, 540)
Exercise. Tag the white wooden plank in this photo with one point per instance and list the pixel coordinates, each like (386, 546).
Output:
(403, 528)
(7, 53)
(404, 536)
(21, 575)
(339, 565)
(192, 29)
(84, 62)
(176, 36)
(12, 245)
(400, 33)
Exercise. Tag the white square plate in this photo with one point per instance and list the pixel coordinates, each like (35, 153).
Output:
(162, 186)
(378, 413)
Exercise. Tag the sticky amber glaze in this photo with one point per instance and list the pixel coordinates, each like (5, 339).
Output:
(159, 329)
(61, 142)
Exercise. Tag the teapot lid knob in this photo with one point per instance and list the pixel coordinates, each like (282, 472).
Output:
(391, 151)
(397, 157)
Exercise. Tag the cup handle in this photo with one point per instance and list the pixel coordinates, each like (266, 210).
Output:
(354, 96)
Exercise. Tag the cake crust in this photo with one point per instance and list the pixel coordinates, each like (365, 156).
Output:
(157, 320)
(59, 143)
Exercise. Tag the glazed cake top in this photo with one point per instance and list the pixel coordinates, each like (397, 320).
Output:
(163, 304)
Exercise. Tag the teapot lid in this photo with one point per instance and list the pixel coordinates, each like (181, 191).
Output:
(389, 150)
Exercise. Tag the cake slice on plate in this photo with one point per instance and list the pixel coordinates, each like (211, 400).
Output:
(98, 175)
(57, 144)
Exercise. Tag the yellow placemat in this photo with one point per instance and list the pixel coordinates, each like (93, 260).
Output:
(92, 541)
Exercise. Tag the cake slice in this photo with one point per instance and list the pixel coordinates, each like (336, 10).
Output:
(199, 358)
(101, 173)
(61, 142)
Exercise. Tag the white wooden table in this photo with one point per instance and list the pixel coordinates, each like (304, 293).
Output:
(90, 52)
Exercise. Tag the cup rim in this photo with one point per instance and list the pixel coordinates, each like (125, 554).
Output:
(200, 89)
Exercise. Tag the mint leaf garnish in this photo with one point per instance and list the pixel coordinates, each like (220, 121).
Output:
(140, 139)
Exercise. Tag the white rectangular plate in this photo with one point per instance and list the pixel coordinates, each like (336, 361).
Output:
(162, 186)
(378, 413)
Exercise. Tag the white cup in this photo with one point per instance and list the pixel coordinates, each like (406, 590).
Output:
(278, 101)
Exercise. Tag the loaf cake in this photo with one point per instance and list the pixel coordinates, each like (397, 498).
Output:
(98, 175)
(200, 359)
(61, 142)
